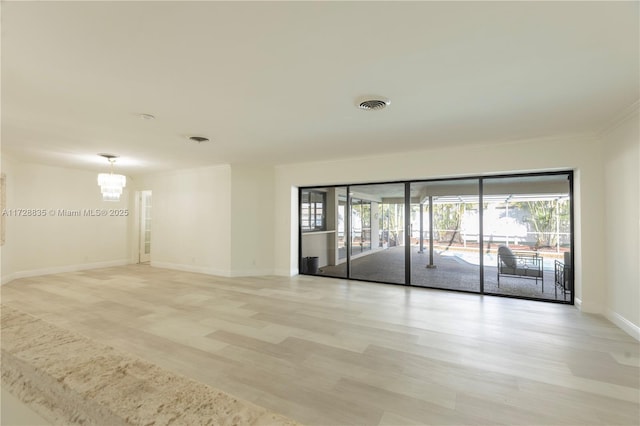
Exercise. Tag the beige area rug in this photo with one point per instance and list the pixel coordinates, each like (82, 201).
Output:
(70, 379)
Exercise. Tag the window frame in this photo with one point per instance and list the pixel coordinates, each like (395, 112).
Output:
(316, 218)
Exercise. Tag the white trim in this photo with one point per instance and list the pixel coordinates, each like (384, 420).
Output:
(60, 269)
(626, 325)
(252, 273)
(620, 118)
(589, 308)
(286, 272)
(191, 268)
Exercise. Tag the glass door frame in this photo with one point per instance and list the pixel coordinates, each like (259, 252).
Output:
(407, 229)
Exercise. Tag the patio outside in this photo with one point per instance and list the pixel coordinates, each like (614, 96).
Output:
(445, 235)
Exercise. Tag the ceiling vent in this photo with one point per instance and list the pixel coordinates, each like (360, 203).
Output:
(198, 139)
(108, 156)
(372, 104)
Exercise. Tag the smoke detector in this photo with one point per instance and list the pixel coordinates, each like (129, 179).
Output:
(373, 103)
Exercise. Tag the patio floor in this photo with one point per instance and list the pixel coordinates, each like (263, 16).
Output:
(451, 273)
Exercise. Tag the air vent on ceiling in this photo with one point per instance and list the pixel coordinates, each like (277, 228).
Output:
(198, 139)
(108, 156)
(371, 104)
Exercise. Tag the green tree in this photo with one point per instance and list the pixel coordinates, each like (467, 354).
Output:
(546, 218)
(447, 219)
(391, 221)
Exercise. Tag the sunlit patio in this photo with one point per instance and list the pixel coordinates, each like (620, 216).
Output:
(453, 269)
(501, 235)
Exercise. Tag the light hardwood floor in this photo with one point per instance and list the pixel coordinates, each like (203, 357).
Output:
(332, 352)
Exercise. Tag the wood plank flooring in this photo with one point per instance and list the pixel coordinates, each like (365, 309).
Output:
(332, 352)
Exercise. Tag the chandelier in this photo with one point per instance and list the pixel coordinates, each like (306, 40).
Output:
(111, 185)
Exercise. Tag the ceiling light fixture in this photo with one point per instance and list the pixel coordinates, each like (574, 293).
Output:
(111, 185)
(374, 104)
(147, 116)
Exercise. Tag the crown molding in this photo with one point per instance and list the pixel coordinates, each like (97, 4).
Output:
(620, 118)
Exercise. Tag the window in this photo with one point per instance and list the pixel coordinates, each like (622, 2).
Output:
(313, 217)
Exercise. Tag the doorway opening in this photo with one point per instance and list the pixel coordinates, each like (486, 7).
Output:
(144, 222)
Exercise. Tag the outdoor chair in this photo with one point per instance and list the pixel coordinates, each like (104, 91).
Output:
(521, 265)
(563, 275)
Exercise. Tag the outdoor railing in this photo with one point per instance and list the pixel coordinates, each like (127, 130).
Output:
(445, 236)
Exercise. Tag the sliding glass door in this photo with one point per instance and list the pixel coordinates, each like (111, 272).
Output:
(500, 235)
(377, 236)
(527, 236)
(322, 237)
(444, 234)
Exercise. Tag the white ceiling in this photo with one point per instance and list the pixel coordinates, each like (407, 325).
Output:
(278, 82)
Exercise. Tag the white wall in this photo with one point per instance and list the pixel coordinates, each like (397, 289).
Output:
(193, 218)
(242, 220)
(55, 243)
(580, 153)
(621, 148)
(320, 245)
(190, 219)
(252, 209)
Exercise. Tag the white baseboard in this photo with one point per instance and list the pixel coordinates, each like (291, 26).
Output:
(589, 308)
(285, 272)
(60, 269)
(252, 273)
(578, 303)
(210, 271)
(626, 325)
(191, 268)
